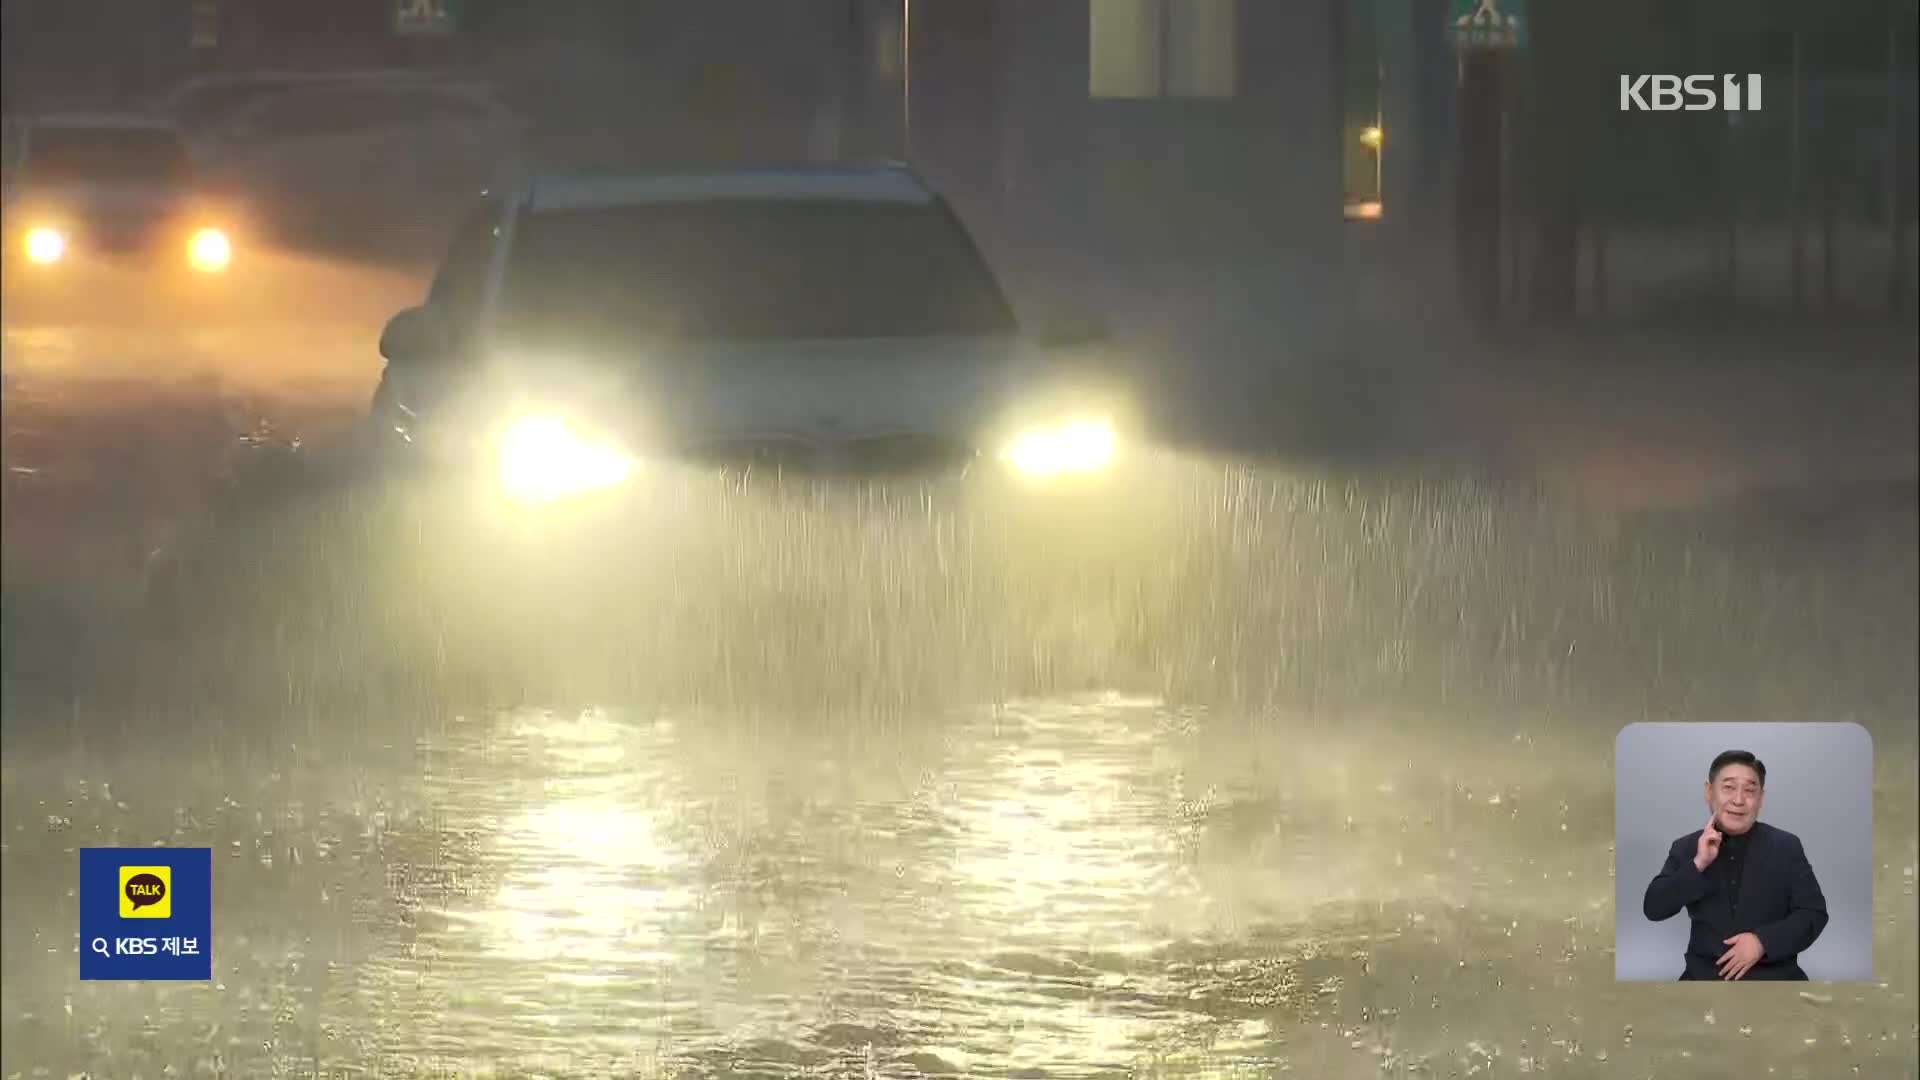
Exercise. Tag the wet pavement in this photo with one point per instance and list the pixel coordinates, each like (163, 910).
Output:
(1095, 888)
(1362, 828)
(1250, 771)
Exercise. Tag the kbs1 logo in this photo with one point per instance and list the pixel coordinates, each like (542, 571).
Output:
(1692, 93)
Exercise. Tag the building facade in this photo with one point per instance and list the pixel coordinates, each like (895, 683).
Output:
(96, 54)
(1134, 126)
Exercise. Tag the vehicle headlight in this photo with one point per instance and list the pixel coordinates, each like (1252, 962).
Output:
(542, 459)
(45, 245)
(1078, 446)
(209, 251)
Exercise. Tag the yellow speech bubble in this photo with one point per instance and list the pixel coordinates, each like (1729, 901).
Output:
(146, 892)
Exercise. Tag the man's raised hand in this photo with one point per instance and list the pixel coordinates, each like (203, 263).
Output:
(1708, 849)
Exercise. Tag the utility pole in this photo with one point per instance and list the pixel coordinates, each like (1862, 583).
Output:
(1486, 34)
(1796, 169)
(1897, 133)
(854, 76)
(1419, 101)
(1561, 115)
(1482, 88)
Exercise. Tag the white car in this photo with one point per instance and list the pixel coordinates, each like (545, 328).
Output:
(584, 330)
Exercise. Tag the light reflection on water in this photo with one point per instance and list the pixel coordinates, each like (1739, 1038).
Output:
(1076, 888)
(1067, 888)
(923, 911)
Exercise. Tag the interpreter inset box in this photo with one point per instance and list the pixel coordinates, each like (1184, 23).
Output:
(1743, 852)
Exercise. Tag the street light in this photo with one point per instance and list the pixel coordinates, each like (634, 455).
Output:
(1373, 138)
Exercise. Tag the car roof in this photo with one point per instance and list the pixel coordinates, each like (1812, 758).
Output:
(875, 184)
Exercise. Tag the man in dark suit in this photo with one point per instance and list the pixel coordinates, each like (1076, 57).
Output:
(1748, 887)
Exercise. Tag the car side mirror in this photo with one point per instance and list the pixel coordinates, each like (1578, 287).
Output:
(418, 335)
(1072, 327)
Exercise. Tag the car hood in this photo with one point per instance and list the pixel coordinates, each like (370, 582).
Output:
(818, 393)
(116, 200)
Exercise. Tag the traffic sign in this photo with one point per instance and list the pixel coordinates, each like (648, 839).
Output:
(424, 18)
(1488, 24)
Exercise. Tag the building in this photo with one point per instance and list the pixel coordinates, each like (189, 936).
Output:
(1136, 127)
(97, 54)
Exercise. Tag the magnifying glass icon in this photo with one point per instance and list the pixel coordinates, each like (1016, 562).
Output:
(100, 946)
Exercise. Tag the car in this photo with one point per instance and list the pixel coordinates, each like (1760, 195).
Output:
(94, 194)
(587, 330)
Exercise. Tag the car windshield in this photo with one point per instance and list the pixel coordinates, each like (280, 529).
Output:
(750, 271)
(106, 155)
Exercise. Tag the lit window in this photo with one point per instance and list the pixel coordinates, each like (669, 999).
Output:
(1200, 48)
(1161, 48)
(1124, 42)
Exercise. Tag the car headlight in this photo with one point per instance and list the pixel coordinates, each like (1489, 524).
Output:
(541, 459)
(209, 251)
(1076, 447)
(45, 245)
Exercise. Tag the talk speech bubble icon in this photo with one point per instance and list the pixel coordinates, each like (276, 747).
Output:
(145, 892)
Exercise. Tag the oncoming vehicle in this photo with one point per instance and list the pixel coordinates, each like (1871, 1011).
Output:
(586, 331)
(88, 192)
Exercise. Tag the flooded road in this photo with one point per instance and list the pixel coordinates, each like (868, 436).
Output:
(1251, 773)
(1058, 889)
(1234, 770)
